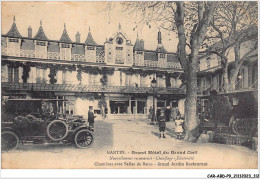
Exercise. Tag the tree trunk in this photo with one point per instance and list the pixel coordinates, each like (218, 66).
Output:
(191, 120)
(234, 75)
(225, 76)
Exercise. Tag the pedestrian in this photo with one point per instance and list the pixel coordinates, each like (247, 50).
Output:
(158, 113)
(162, 124)
(91, 116)
(179, 127)
(168, 113)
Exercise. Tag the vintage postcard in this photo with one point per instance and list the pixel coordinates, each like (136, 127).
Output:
(129, 85)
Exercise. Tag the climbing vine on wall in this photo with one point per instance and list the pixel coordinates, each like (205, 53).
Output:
(150, 72)
(52, 74)
(26, 71)
(104, 79)
(79, 74)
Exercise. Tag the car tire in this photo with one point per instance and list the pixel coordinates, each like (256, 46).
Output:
(59, 125)
(9, 141)
(84, 139)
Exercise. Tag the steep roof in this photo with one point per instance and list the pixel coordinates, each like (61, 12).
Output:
(139, 45)
(40, 34)
(90, 40)
(152, 56)
(161, 49)
(13, 32)
(65, 37)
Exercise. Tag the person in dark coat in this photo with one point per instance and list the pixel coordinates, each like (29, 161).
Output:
(91, 116)
(158, 113)
(162, 124)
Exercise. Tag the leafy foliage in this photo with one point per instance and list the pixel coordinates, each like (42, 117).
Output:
(26, 71)
(220, 108)
(52, 75)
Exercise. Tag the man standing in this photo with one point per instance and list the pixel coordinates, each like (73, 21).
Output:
(91, 116)
(162, 124)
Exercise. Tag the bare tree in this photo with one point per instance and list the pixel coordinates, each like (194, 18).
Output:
(190, 22)
(233, 25)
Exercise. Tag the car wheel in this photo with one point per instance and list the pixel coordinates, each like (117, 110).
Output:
(84, 139)
(9, 141)
(57, 130)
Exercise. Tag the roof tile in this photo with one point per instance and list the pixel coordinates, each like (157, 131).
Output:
(90, 40)
(40, 34)
(65, 37)
(13, 32)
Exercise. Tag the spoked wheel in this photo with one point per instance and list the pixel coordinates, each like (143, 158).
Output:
(84, 139)
(57, 130)
(9, 141)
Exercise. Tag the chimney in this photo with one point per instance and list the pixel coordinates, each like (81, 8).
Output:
(142, 43)
(29, 32)
(78, 37)
(159, 37)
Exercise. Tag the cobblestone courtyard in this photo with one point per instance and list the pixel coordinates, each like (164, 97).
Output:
(129, 136)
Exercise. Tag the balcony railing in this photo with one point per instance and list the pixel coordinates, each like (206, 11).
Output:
(100, 58)
(87, 88)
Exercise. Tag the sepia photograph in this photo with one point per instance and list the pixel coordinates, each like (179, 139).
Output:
(129, 85)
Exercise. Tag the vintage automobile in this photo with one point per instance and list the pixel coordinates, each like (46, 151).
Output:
(42, 121)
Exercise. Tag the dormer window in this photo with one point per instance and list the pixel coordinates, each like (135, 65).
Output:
(41, 43)
(90, 48)
(162, 55)
(119, 48)
(13, 40)
(65, 46)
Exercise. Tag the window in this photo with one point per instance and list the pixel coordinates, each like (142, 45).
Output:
(141, 105)
(119, 107)
(41, 43)
(64, 78)
(13, 74)
(14, 40)
(93, 79)
(208, 62)
(203, 84)
(65, 46)
(162, 55)
(41, 75)
(90, 48)
(139, 52)
(119, 48)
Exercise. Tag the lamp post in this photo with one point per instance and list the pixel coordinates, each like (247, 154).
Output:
(153, 84)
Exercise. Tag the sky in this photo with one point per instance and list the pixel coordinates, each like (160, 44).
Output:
(79, 16)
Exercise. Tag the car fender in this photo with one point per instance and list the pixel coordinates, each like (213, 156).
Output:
(7, 129)
(79, 128)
